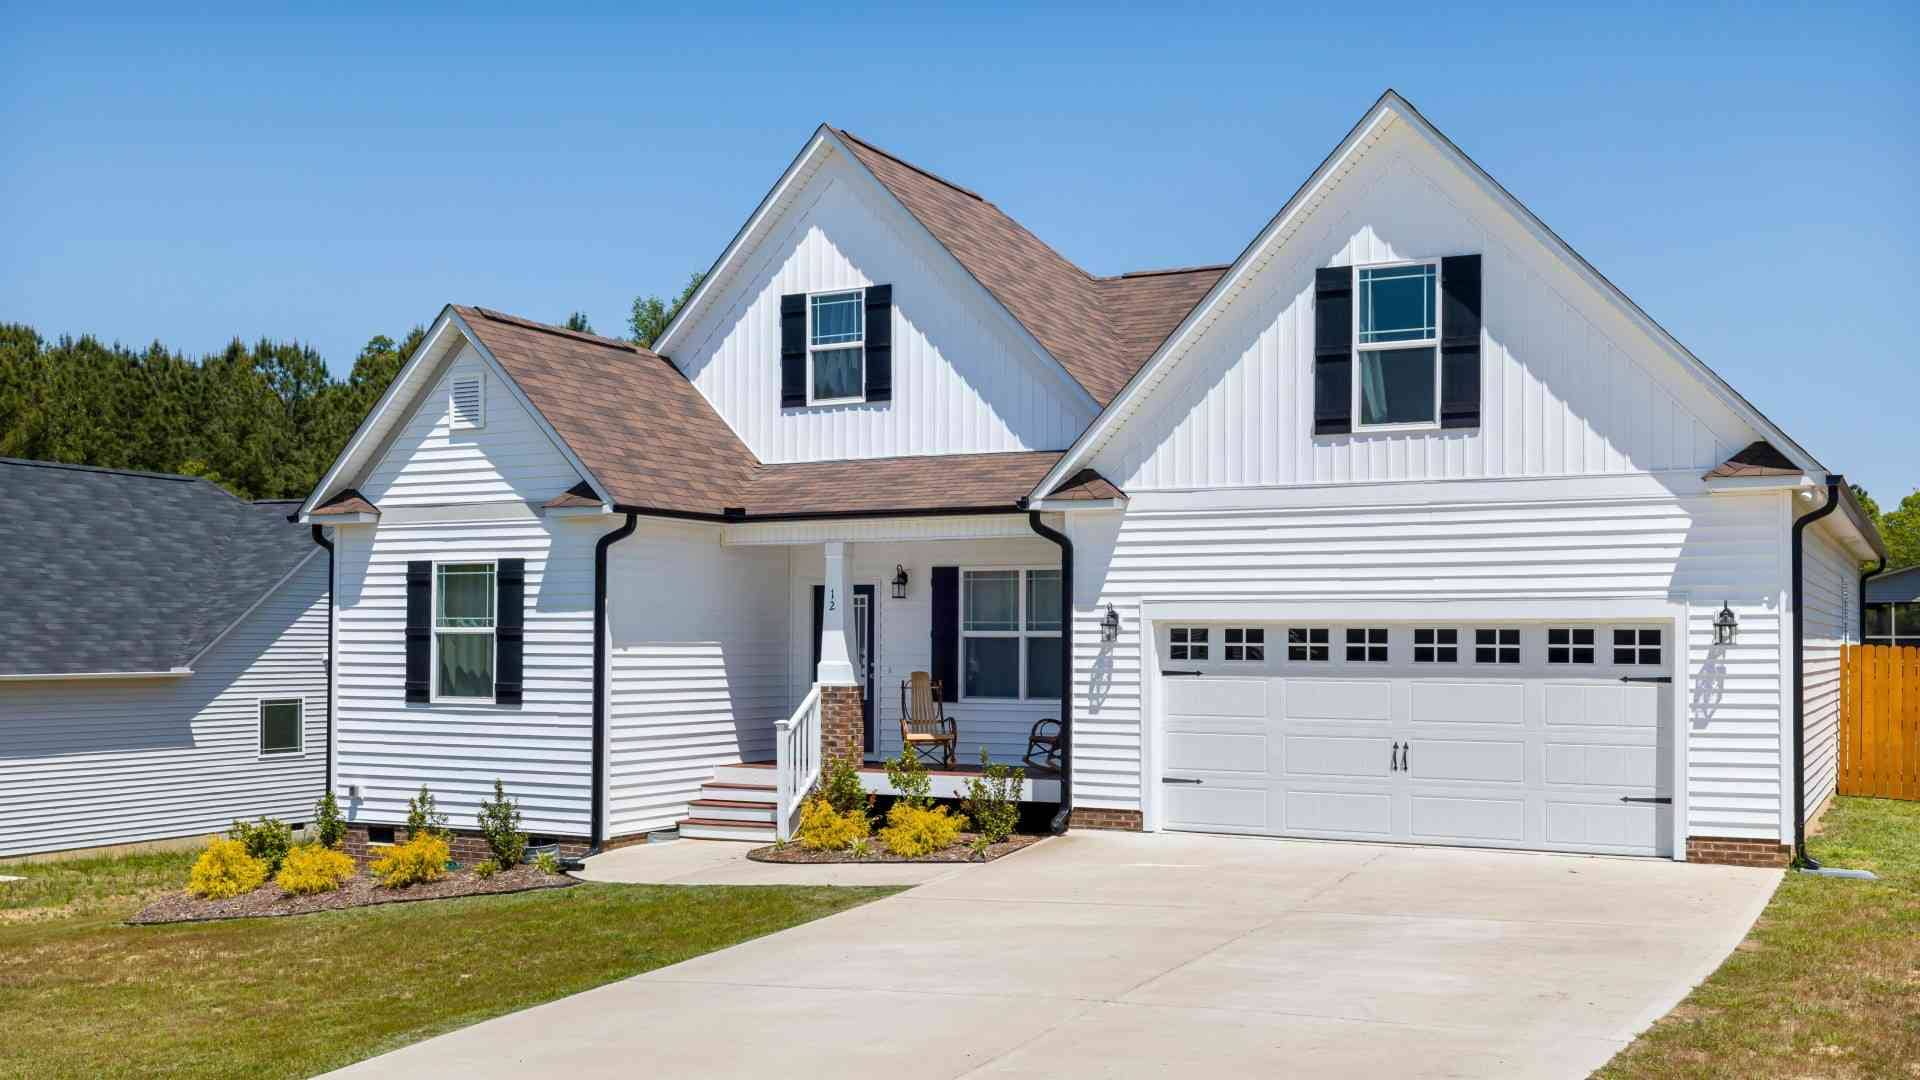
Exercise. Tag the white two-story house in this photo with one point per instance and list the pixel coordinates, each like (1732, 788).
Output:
(1406, 525)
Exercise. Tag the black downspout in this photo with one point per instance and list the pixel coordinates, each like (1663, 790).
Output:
(319, 537)
(1800, 857)
(1065, 814)
(600, 676)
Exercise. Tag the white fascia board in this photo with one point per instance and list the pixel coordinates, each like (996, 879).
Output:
(355, 518)
(1389, 108)
(1062, 506)
(1741, 485)
(577, 511)
(257, 601)
(56, 676)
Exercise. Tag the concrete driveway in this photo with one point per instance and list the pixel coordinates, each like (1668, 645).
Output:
(1113, 955)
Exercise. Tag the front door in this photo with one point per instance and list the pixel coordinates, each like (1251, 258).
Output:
(864, 647)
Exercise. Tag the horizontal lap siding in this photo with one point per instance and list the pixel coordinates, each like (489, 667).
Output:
(542, 749)
(1720, 549)
(1830, 609)
(90, 762)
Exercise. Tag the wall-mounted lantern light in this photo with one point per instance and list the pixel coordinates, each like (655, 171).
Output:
(1110, 626)
(1726, 627)
(899, 582)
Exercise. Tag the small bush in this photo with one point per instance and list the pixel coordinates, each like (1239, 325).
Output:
(329, 828)
(225, 870)
(314, 868)
(978, 846)
(992, 801)
(424, 817)
(268, 840)
(841, 785)
(913, 831)
(547, 862)
(823, 828)
(485, 869)
(909, 779)
(500, 822)
(422, 858)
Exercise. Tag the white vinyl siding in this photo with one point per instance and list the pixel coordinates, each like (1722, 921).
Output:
(88, 762)
(1831, 618)
(964, 378)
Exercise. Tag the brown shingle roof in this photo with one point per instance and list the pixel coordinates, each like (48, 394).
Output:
(1070, 312)
(349, 501)
(1085, 484)
(882, 485)
(1758, 459)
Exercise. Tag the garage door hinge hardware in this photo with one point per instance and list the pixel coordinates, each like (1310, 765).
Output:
(1664, 799)
(1179, 780)
(1647, 678)
(1164, 671)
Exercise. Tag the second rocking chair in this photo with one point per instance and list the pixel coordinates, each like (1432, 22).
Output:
(925, 728)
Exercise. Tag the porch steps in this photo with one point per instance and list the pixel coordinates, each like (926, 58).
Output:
(736, 804)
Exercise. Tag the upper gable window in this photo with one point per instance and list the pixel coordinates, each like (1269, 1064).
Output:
(836, 347)
(468, 402)
(1396, 343)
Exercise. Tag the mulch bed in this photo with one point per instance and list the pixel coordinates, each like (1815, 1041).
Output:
(878, 853)
(360, 891)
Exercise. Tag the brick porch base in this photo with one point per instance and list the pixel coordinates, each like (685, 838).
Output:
(1093, 817)
(1736, 851)
(467, 846)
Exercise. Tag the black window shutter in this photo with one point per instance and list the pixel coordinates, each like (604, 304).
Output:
(879, 343)
(419, 629)
(1460, 341)
(1333, 350)
(819, 615)
(946, 631)
(793, 350)
(509, 627)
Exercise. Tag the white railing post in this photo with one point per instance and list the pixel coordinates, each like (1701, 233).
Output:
(796, 765)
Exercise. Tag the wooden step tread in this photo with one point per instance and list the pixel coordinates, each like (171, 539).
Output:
(739, 787)
(727, 823)
(733, 804)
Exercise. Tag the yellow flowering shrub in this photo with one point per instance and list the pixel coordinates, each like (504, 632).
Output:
(225, 870)
(913, 831)
(421, 858)
(312, 868)
(822, 828)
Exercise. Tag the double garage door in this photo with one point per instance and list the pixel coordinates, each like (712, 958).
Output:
(1549, 736)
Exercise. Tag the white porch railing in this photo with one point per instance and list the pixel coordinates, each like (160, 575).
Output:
(796, 749)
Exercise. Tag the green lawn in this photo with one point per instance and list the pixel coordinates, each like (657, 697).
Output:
(1828, 982)
(83, 995)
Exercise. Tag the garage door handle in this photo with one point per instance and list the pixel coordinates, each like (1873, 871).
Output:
(1179, 780)
(1393, 758)
(1663, 799)
(1647, 678)
(1164, 671)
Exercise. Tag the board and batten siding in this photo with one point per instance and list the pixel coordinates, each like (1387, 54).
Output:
(1569, 386)
(964, 379)
(1830, 610)
(1715, 548)
(90, 762)
(697, 666)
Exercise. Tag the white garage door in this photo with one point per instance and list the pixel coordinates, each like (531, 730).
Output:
(1552, 736)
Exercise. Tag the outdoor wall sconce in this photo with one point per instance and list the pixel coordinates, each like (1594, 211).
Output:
(899, 582)
(1726, 626)
(1110, 626)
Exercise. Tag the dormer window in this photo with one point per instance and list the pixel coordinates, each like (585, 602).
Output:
(1396, 344)
(836, 347)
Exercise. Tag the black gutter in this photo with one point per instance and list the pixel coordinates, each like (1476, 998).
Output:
(600, 676)
(319, 537)
(1064, 815)
(1800, 857)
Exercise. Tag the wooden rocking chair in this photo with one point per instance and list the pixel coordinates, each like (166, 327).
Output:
(925, 728)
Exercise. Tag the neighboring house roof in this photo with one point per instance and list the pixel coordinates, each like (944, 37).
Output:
(1895, 587)
(962, 482)
(1757, 459)
(110, 570)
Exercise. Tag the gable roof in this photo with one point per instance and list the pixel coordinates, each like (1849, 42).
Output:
(111, 570)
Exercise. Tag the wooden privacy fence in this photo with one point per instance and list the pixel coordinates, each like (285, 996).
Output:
(1880, 721)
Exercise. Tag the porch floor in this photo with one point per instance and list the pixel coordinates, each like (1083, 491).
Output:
(1034, 772)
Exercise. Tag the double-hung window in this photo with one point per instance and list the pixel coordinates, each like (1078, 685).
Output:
(1396, 343)
(463, 630)
(1010, 634)
(836, 347)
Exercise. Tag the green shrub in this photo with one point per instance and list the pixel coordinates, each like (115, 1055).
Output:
(913, 831)
(268, 840)
(225, 870)
(909, 779)
(329, 828)
(992, 801)
(422, 858)
(841, 785)
(823, 828)
(485, 869)
(547, 862)
(314, 868)
(500, 823)
(424, 817)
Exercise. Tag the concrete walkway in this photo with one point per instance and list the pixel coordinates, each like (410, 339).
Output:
(1125, 955)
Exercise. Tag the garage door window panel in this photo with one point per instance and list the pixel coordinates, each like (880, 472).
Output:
(1496, 645)
(1309, 644)
(1570, 645)
(1636, 646)
(1188, 643)
(1367, 645)
(1244, 644)
(1436, 645)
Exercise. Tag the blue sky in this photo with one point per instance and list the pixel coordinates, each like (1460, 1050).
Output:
(1746, 173)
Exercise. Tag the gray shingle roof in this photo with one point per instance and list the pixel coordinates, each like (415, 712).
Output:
(110, 570)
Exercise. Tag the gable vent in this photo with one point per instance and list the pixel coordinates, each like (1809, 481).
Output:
(469, 404)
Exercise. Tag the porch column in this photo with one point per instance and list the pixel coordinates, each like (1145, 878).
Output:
(836, 653)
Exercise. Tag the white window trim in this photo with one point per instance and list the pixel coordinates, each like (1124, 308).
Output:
(434, 695)
(1210, 658)
(1439, 305)
(1663, 648)
(1602, 646)
(1243, 644)
(1414, 647)
(1367, 644)
(260, 728)
(1022, 634)
(1520, 644)
(1330, 644)
(861, 397)
(453, 414)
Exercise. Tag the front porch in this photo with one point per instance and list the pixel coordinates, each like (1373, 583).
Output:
(743, 800)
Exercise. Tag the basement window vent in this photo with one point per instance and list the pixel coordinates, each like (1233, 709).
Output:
(469, 403)
(379, 834)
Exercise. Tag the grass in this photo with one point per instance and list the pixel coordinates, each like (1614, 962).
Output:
(85, 995)
(1828, 982)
